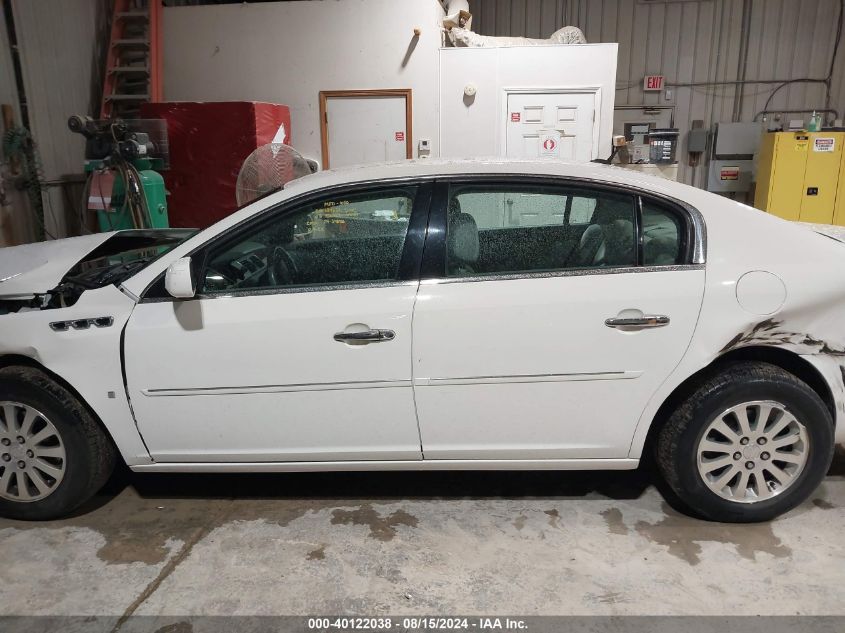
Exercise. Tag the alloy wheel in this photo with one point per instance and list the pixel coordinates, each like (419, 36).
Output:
(753, 451)
(32, 455)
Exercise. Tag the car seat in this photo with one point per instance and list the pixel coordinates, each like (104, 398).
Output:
(462, 242)
(609, 240)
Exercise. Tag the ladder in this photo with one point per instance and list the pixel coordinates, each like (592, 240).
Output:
(133, 60)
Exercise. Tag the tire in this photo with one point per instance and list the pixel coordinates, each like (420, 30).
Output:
(88, 453)
(754, 388)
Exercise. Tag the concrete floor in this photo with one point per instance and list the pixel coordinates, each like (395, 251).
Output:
(414, 543)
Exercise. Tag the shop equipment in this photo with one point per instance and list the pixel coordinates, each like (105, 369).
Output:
(122, 159)
(662, 144)
(731, 168)
(208, 143)
(800, 176)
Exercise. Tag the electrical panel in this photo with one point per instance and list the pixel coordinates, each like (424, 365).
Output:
(732, 158)
(697, 140)
(800, 175)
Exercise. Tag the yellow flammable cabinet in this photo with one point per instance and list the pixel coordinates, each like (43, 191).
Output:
(798, 176)
(839, 211)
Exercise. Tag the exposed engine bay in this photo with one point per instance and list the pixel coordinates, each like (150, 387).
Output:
(116, 259)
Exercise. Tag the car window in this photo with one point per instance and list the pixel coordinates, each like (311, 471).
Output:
(662, 235)
(582, 210)
(337, 240)
(493, 230)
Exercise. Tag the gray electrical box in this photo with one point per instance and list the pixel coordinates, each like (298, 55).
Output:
(697, 140)
(732, 157)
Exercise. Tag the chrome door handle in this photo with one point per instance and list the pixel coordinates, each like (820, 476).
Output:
(637, 323)
(368, 336)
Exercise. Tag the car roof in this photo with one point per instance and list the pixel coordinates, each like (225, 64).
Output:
(433, 167)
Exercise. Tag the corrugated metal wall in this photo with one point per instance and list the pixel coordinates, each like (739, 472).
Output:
(59, 44)
(694, 41)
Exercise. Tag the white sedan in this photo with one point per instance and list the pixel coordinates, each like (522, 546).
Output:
(433, 315)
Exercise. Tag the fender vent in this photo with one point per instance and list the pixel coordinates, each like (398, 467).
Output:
(81, 324)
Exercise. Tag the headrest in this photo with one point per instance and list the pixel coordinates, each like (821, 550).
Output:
(463, 238)
(283, 233)
(454, 207)
(609, 210)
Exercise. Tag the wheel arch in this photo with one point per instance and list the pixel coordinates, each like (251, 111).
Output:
(20, 360)
(787, 360)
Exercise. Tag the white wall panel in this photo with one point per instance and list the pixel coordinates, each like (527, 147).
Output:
(287, 52)
(477, 127)
(694, 41)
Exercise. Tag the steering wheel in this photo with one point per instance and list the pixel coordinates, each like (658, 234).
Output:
(281, 269)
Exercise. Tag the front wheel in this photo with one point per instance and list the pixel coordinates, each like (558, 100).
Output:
(751, 443)
(53, 454)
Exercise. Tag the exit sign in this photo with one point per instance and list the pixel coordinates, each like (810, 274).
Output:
(653, 83)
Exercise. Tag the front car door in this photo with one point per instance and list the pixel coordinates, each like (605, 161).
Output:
(297, 346)
(531, 337)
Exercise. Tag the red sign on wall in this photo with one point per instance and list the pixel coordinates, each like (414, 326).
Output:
(400, 136)
(653, 83)
(515, 117)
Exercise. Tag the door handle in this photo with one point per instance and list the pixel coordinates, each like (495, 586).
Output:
(638, 323)
(367, 336)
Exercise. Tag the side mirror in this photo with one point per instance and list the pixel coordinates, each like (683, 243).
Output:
(178, 279)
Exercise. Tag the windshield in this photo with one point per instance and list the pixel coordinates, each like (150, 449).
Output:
(123, 254)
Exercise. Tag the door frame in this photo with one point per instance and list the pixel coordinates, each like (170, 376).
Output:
(325, 95)
(505, 119)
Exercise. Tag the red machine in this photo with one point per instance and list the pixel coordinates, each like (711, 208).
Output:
(208, 145)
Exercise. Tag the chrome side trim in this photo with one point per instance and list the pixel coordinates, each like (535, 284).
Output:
(523, 378)
(411, 464)
(386, 384)
(699, 229)
(301, 289)
(313, 386)
(290, 290)
(573, 272)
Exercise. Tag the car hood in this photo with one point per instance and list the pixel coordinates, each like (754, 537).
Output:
(37, 268)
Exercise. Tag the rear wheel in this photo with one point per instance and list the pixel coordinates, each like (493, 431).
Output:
(749, 444)
(53, 454)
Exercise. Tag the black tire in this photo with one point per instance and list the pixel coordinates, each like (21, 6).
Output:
(677, 441)
(90, 454)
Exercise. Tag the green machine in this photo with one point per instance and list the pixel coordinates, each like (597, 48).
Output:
(123, 159)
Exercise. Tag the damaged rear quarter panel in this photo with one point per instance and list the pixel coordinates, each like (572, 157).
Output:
(87, 359)
(811, 321)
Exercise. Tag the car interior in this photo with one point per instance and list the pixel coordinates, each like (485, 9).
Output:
(606, 237)
(345, 241)
(495, 232)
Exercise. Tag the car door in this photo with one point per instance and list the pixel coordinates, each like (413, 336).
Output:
(548, 316)
(297, 346)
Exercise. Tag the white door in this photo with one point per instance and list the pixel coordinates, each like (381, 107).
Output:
(562, 121)
(297, 348)
(366, 129)
(513, 357)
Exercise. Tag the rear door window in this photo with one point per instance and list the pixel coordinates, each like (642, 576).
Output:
(499, 230)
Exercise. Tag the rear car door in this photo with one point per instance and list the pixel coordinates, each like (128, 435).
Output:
(297, 346)
(547, 317)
